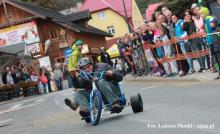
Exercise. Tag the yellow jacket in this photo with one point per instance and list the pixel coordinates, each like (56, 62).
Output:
(74, 57)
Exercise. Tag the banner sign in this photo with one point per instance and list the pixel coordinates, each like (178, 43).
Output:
(26, 32)
(33, 48)
(67, 53)
(45, 62)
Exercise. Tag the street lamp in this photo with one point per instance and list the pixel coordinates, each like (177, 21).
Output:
(126, 15)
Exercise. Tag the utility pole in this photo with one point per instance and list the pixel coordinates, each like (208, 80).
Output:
(126, 15)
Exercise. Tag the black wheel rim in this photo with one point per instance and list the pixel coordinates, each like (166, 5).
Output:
(141, 102)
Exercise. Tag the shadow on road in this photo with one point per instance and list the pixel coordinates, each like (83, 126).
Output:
(114, 117)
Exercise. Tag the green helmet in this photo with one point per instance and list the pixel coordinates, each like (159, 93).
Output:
(79, 42)
(204, 10)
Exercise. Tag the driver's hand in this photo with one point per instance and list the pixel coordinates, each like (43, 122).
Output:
(94, 79)
(74, 73)
(109, 73)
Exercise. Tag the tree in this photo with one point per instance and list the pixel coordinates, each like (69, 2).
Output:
(143, 4)
(43, 3)
(54, 4)
(177, 6)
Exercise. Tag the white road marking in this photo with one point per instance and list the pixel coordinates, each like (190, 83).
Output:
(17, 107)
(150, 87)
(40, 100)
(5, 122)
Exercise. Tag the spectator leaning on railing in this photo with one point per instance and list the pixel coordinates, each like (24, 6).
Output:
(126, 52)
(171, 66)
(194, 44)
(184, 46)
(200, 28)
(213, 41)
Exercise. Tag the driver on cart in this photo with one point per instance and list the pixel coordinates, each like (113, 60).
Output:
(107, 85)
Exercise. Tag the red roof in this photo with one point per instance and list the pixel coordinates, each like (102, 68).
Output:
(150, 10)
(115, 5)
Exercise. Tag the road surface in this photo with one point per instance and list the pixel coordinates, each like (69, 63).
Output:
(169, 108)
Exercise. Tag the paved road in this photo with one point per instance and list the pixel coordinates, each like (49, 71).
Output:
(183, 108)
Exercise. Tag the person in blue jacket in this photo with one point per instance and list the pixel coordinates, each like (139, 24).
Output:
(212, 37)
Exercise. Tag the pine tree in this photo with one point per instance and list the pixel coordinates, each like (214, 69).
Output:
(178, 6)
(54, 4)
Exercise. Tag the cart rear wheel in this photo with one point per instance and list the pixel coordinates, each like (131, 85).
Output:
(136, 103)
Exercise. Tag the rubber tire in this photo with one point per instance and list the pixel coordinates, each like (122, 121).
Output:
(136, 103)
(95, 121)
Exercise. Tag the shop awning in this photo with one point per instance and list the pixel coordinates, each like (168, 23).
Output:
(14, 49)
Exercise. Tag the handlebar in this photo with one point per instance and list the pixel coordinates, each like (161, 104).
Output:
(86, 75)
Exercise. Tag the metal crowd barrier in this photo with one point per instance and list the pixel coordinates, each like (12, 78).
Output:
(179, 56)
(24, 89)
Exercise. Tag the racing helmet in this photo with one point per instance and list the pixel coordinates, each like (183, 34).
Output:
(84, 61)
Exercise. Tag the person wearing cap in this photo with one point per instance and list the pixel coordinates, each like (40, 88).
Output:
(213, 41)
(106, 85)
(105, 57)
(72, 66)
(200, 28)
(75, 55)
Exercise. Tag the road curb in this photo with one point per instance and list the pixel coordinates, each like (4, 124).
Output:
(160, 80)
(18, 99)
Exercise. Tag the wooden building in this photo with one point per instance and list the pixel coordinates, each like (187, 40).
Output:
(44, 32)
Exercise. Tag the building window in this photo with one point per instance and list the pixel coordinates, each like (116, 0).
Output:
(111, 30)
(53, 34)
(9, 15)
(102, 15)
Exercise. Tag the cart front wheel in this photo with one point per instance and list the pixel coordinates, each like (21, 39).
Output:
(95, 107)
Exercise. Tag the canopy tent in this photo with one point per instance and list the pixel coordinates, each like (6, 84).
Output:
(113, 51)
(150, 10)
(10, 53)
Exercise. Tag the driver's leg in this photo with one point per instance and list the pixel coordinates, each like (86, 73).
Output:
(108, 90)
(83, 99)
(110, 93)
(72, 104)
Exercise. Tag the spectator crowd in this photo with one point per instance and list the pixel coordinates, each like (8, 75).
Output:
(23, 73)
(168, 26)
